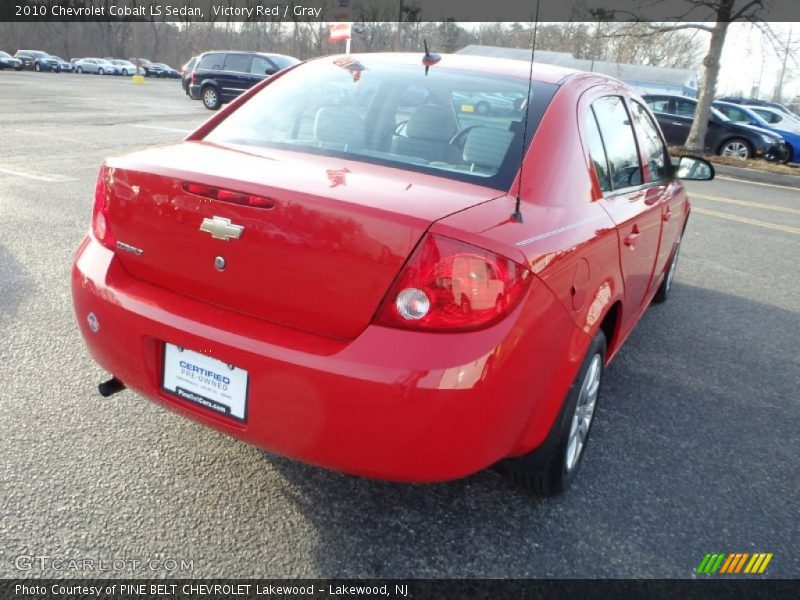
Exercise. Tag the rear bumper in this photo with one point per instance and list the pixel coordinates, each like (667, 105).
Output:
(391, 404)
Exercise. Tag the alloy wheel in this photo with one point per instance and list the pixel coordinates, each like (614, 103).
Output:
(736, 149)
(210, 98)
(673, 263)
(584, 412)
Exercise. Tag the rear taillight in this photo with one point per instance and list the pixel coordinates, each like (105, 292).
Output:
(207, 191)
(100, 211)
(449, 285)
(194, 78)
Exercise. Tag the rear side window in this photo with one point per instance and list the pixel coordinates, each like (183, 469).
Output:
(659, 105)
(238, 62)
(619, 141)
(212, 61)
(684, 108)
(653, 151)
(597, 152)
(769, 117)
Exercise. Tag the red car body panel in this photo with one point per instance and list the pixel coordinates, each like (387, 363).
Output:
(335, 227)
(337, 390)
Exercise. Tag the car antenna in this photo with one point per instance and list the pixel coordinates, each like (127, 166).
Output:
(429, 59)
(517, 215)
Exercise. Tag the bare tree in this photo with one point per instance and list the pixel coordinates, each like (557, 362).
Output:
(723, 13)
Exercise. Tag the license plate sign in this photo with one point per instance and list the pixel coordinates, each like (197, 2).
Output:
(205, 381)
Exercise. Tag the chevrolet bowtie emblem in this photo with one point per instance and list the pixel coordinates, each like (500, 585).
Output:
(222, 229)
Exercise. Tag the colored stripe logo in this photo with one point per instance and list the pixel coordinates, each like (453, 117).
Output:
(733, 563)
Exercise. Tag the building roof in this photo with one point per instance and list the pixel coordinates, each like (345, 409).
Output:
(622, 71)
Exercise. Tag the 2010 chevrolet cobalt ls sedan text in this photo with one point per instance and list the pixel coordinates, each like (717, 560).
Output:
(352, 266)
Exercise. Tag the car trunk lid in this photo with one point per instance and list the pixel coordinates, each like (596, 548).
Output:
(321, 258)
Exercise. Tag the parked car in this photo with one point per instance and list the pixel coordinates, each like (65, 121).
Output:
(219, 76)
(126, 67)
(37, 60)
(167, 71)
(98, 66)
(756, 102)
(293, 275)
(149, 69)
(186, 73)
(777, 117)
(742, 114)
(484, 104)
(9, 62)
(63, 65)
(675, 114)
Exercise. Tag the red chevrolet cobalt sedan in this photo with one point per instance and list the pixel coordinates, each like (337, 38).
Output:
(358, 265)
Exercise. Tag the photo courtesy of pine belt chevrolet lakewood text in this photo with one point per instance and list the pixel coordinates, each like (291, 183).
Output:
(401, 267)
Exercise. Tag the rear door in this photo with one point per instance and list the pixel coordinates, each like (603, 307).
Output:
(235, 77)
(635, 209)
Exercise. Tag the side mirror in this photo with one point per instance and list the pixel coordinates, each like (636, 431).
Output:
(694, 167)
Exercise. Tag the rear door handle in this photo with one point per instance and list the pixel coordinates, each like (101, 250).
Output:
(667, 215)
(631, 237)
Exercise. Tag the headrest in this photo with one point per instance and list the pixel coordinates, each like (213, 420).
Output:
(487, 146)
(339, 125)
(431, 122)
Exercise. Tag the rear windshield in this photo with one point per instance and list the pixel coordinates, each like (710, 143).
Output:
(459, 124)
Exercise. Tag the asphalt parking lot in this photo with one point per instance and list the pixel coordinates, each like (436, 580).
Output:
(695, 447)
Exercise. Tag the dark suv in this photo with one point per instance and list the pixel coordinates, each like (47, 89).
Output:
(38, 60)
(675, 115)
(221, 76)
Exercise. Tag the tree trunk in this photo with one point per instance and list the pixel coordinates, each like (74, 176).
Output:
(708, 88)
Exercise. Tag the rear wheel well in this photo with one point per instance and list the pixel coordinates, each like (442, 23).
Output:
(610, 324)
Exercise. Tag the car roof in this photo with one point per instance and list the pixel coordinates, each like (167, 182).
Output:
(480, 64)
(242, 52)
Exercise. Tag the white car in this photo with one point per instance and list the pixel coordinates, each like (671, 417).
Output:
(776, 117)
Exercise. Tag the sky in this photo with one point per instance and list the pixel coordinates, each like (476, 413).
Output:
(748, 58)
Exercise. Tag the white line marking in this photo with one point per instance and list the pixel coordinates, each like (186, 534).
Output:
(49, 179)
(749, 221)
(795, 211)
(171, 129)
(775, 185)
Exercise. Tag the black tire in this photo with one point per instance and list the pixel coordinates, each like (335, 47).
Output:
(37, 67)
(789, 155)
(210, 97)
(662, 294)
(551, 468)
(736, 148)
(101, 71)
(79, 70)
(483, 108)
(124, 72)
(18, 68)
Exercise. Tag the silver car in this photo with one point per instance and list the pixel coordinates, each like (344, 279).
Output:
(97, 66)
(126, 67)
